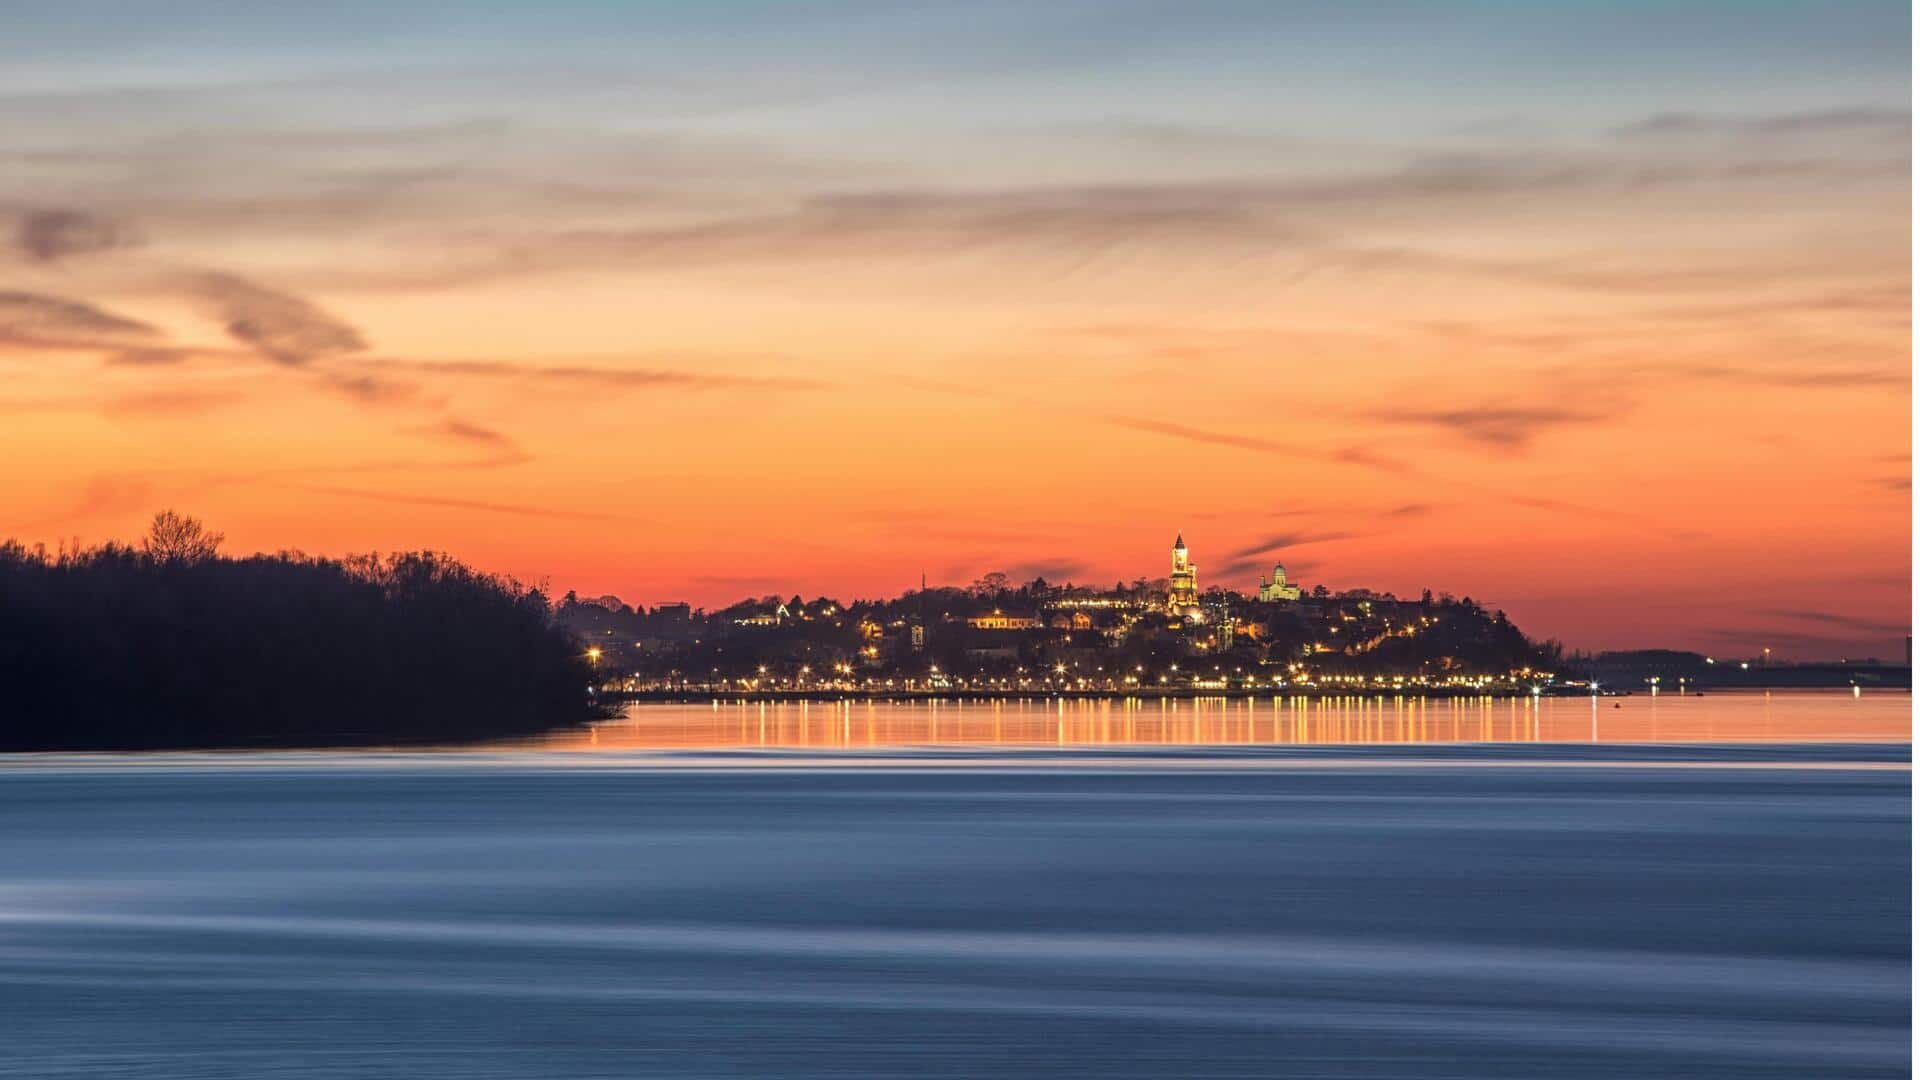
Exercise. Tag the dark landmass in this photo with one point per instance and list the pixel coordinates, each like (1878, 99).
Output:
(170, 645)
(994, 637)
(1640, 669)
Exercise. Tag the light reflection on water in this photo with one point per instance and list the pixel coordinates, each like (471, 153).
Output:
(1763, 717)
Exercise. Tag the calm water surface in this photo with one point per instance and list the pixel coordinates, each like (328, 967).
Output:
(1737, 907)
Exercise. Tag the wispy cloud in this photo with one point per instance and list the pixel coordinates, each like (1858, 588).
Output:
(605, 377)
(468, 433)
(1210, 438)
(1260, 555)
(99, 496)
(36, 319)
(147, 357)
(284, 328)
(452, 502)
(369, 389)
(1865, 624)
(1857, 118)
(1071, 229)
(167, 402)
(50, 235)
(1274, 542)
(1342, 455)
(1812, 378)
(1056, 569)
(1496, 426)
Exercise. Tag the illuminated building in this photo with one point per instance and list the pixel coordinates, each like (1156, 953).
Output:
(999, 621)
(1182, 582)
(780, 614)
(1275, 589)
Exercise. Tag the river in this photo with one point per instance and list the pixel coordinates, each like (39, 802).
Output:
(1205, 900)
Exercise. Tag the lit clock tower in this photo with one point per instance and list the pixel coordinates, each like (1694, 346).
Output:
(1182, 584)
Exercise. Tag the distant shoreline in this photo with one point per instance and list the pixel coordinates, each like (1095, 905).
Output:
(694, 697)
(682, 697)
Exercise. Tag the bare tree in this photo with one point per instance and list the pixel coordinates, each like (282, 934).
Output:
(177, 538)
(991, 584)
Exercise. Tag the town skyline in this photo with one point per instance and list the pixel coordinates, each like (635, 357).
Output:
(665, 303)
(1274, 584)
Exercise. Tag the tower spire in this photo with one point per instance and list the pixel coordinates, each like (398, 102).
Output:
(1182, 589)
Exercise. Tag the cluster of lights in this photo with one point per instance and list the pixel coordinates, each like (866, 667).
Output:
(1061, 677)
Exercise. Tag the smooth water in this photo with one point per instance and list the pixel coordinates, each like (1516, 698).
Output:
(1550, 910)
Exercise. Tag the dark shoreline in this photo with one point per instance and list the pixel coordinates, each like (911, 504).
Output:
(332, 740)
(691, 697)
(696, 696)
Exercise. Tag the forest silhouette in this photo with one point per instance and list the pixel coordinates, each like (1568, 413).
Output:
(169, 644)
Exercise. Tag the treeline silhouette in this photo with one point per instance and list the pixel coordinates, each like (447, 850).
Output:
(170, 645)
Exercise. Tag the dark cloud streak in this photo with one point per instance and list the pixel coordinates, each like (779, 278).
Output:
(51, 235)
(280, 326)
(1344, 456)
(1500, 427)
(1858, 118)
(1850, 622)
(1281, 541)
(576, 374)
(451, 502)
(36, 319)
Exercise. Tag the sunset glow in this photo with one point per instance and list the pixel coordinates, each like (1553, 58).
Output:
(1575, 319)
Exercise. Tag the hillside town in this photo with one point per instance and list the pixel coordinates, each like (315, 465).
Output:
(1165, 634)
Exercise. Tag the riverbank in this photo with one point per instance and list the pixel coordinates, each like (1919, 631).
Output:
(687, 697)
(1829, 678)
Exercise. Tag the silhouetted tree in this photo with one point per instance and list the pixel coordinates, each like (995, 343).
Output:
(177, 538)
(989, 585)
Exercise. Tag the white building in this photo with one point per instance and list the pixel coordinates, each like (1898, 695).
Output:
(1275, 589)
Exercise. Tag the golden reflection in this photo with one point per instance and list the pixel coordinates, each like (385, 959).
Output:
(1801, 716)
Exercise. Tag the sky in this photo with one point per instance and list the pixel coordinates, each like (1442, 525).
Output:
(1598, 313)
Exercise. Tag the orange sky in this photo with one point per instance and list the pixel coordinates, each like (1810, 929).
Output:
(1636, 372)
